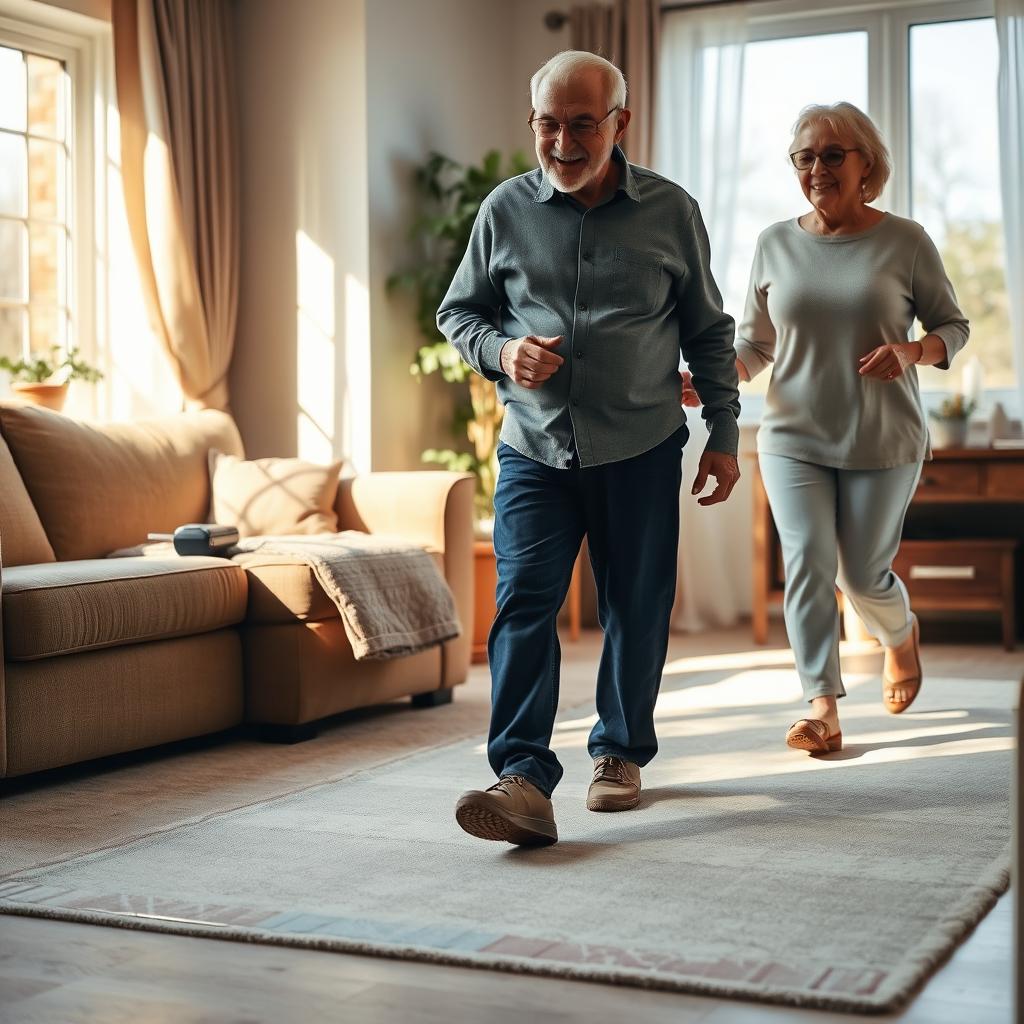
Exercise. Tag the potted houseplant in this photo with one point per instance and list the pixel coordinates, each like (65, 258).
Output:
(450, 195)
(949, 422)
(43, 380)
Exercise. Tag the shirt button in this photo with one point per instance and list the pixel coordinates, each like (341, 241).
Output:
(587, 257)
(583, 307)
(579, 353)
(575, 401)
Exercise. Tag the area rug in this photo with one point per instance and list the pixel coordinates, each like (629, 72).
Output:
(748, 870)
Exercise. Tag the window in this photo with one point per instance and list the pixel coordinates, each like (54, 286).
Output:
(776, 84)
(925, 73)
(954, 164)
(35, 204)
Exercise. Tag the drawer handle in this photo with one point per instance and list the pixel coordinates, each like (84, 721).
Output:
(942, 572)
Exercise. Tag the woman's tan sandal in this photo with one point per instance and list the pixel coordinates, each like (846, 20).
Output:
(811, 734)
(911, 684)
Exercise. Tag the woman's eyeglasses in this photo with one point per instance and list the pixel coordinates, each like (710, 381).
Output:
(830, 156)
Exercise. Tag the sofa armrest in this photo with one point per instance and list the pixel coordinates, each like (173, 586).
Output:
(432, 508)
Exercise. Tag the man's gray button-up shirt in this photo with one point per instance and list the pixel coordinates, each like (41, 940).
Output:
(628, 286)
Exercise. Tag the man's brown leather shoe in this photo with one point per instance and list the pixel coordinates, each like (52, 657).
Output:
(615, 786)
(513, 810)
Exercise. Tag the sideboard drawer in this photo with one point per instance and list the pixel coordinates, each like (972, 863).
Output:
(1005, 480)
(954, 569)
(947, 481)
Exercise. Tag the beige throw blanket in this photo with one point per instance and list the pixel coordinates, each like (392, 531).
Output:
(390, 594)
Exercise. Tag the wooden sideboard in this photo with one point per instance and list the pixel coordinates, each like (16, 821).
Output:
(963, 538)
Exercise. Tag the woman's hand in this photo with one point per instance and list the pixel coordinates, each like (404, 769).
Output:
(888, 362)
(690, 397)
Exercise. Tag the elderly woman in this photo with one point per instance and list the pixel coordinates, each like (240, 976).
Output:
(833, 296)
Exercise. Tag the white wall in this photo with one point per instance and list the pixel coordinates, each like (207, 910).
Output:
(300, 375)
(437, 76)
(340, 101)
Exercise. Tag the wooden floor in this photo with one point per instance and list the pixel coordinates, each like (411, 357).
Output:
(53, 971)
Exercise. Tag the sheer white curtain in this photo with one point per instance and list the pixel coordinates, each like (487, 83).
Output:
(1010, 31)
(697, 144)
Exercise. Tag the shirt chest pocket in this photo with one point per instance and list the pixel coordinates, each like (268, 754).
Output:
(635, 281)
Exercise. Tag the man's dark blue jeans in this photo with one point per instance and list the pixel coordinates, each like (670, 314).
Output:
(629, 512)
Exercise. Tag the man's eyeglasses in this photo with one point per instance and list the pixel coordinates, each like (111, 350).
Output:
(831, 156)
(579, 127)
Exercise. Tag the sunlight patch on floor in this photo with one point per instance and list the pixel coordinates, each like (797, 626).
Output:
(760, 658)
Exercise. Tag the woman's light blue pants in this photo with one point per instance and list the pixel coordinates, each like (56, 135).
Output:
(838, 525)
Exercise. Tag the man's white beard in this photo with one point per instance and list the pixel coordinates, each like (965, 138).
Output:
(554, 173)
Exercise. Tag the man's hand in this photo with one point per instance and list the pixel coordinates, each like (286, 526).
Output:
(530, 361)
(724, 469)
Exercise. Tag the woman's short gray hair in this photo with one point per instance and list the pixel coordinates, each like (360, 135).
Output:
(852, 123)
(560, 68)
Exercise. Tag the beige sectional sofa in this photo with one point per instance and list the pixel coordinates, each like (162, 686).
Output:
(107, 655)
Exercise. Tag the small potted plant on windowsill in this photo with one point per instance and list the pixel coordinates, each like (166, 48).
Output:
(44, 380)
(949, 422)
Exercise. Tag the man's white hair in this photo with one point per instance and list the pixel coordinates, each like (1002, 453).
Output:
(563, 66)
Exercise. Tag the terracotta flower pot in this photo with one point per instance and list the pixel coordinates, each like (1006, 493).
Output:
(50, 396)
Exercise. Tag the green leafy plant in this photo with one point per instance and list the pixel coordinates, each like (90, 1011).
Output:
(450, 195)
(52, 369)
(956, 407)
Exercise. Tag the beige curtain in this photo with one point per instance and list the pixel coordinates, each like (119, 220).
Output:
(179, 163)
(626, 33)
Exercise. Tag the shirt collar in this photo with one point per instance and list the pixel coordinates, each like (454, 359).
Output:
(627, 182)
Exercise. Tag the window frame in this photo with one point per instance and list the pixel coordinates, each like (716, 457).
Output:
(76, 41)
(888, 30)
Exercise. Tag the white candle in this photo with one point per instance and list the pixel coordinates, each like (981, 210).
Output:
(972, 380)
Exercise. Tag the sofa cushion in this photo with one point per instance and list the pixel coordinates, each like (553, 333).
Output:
(282, 589)
(22, 537)
(98, 487)
(273, 496)
(73, 606)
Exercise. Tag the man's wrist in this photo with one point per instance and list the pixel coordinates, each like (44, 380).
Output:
(916, 351)
(501, 355)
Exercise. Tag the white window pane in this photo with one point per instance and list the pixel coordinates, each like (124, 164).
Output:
(13, 331)
(46, 96)
(13, 175)
(47, 264)
(47, 328)
(13, 261)
(781, 76)
(955, 181)
(12, 89)
(48, 176)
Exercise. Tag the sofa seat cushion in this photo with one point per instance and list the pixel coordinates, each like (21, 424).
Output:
(284, 589)
(64, 607)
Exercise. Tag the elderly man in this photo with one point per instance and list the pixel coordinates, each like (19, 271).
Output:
(583, 281)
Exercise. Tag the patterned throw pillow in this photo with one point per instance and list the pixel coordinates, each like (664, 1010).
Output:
(273, 496)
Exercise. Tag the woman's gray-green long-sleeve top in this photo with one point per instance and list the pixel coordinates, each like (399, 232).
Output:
(815, 306)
